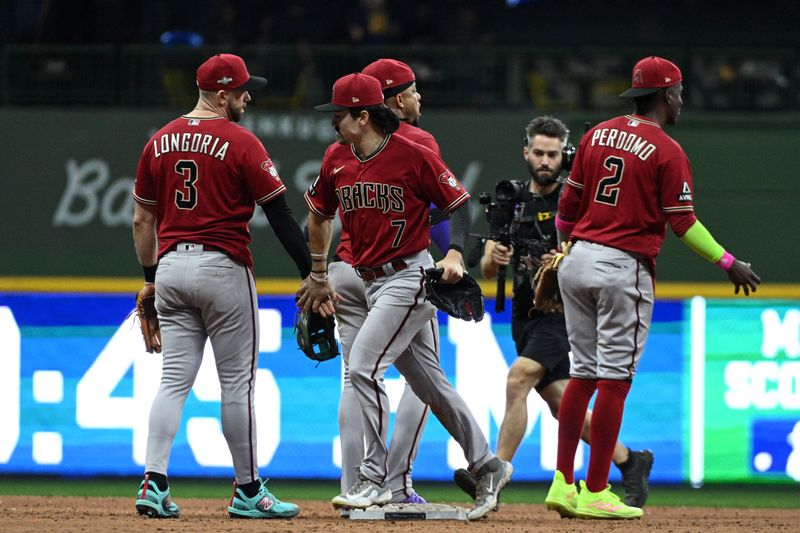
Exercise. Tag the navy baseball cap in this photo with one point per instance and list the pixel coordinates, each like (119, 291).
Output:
(227, 72)
(354, 90)
(652, 74)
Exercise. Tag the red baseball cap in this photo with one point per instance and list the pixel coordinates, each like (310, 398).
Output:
(395, 76)
(651, 74)
(354, 90)
(227, 72)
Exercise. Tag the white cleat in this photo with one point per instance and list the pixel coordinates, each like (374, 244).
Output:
(363, 494)
(491, 479)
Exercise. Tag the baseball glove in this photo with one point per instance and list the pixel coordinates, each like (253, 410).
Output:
(316, 335)
(546, 296)
(148, 320)
(462, 299)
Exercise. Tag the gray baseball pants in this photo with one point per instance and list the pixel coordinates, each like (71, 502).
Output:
(608, 303)
(411, 415)
(399, 318)
(201, 295)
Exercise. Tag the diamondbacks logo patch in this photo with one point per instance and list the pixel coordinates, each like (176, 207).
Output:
(686, 193)
(267, 166)
(448, 178)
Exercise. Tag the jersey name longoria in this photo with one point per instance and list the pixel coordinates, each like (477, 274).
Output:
(369, 195)
(623, 140)
(190, 142)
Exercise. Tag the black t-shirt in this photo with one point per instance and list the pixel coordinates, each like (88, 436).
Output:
(538, 222)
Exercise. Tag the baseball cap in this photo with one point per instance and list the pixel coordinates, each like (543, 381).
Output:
(651, 74)
(227, 72)
(353, 90)
(395, 76)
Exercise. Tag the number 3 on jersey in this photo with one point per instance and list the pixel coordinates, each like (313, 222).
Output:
(187, 198)
(608, 186)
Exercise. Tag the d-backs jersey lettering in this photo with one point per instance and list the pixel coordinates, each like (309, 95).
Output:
(205, 175)
(407, 131)
(644, 181)
(384, 198)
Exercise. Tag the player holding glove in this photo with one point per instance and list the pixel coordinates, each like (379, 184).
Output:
(383, 186)
(540, 334)
(630, 180)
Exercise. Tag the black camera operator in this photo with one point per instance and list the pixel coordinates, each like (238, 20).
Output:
(540, 338)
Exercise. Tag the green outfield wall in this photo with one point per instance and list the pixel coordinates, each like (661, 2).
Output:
(67, 175)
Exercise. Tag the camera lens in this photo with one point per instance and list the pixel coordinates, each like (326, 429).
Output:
(509, 191)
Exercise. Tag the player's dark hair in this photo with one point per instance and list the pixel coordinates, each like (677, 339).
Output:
(380, 115)
(547, 126)
(642, 105)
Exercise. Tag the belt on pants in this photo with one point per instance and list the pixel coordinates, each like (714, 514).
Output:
(373, 273)
(194, 247)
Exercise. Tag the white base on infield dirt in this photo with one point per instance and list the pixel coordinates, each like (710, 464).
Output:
(410, 511)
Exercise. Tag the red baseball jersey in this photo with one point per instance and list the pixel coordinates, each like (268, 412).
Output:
(407, 131)
(419, 136)
(628, 180)
(384, 199)
(204, 176)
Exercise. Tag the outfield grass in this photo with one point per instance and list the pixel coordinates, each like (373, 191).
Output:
(755, 496)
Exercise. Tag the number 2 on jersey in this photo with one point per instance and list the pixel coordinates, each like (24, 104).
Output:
(188, 169)
(608, 186)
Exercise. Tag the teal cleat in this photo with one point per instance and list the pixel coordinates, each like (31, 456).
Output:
(262, 505)
(154, 503)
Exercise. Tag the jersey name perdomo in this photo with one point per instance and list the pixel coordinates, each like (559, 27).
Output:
(623, 140)
(191, 142)
(370, 195)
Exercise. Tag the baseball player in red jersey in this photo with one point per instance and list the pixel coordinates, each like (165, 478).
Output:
(197, 182)
(383, 185)
(541, 338)
(629, 181)
(401, 96)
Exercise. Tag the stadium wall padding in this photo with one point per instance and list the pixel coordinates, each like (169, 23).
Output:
(67, 176)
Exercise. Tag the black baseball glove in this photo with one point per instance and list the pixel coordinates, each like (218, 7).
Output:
(316, 335)
(462, 299)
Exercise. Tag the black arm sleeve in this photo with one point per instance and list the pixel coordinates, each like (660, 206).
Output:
(288, 231)
(460, 221)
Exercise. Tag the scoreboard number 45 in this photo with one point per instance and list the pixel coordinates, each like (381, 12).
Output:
(98, 408)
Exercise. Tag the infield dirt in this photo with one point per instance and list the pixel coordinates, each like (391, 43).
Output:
(64, 514)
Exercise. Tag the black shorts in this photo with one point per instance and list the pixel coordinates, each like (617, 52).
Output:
(543, 339)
